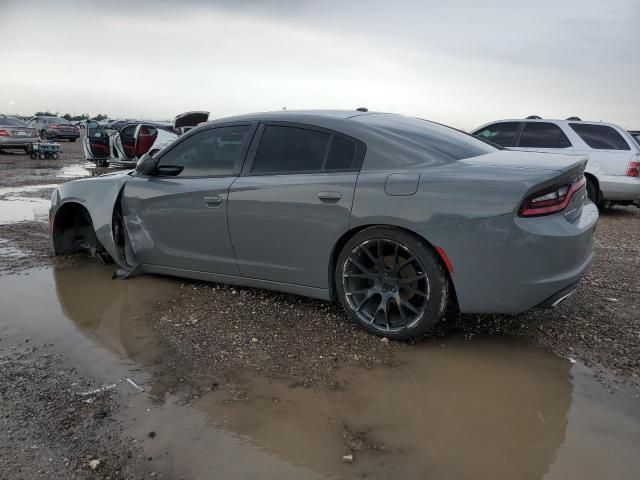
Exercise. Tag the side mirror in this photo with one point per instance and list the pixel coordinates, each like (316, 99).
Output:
(146, 165)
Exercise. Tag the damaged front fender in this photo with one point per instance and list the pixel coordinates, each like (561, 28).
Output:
(100, 197)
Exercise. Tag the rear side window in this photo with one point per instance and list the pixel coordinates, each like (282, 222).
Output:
(286, 149)
(342, 155)
(600, 137)
(503, 134)
(543, 135)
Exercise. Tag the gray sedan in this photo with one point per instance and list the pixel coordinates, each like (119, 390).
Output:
(399, 219)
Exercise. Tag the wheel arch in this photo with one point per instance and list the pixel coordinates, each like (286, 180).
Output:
(72, 229)
(342, 241)
(591, 177)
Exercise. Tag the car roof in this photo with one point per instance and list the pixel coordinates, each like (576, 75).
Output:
(553, 120)
(295, 115)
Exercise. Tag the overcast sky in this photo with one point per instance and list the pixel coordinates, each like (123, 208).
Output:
(462, 62)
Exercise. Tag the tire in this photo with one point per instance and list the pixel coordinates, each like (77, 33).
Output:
(593, 192)
(54, 156)
(395, 295)
(33, 155)
(41, 156)
(72, 140)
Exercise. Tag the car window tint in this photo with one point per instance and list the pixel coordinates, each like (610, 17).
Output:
(503, 134)
(290, 149)
(543, 135)
(342, 155)
(212, 152)
(600, 137)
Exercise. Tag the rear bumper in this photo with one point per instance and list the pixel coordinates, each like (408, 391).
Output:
(17, 142)
(510, 264)
(619, 187)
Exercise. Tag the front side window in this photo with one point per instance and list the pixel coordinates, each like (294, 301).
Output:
(212, 152)
(600, 137)
(503, 134)
(543, 135)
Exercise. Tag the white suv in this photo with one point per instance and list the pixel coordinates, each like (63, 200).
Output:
(613, 169)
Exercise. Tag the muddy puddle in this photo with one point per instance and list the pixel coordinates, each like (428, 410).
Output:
(454, 408)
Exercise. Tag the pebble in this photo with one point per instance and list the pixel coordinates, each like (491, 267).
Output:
(384, 340)
(94, 464)
(348, 458)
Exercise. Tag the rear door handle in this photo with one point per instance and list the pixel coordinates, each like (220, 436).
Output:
(329, 196)
(214, 201)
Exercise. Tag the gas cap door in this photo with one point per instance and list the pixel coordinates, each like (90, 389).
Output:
(402, 184)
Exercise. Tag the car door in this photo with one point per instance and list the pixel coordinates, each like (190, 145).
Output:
(125, 141)
(293, 202)
(177, 218)
(96, 144)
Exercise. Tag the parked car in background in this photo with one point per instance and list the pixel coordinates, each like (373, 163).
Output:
(636, 135)
(613, 169)
(397, 218)
(51, 128)
(15, 133)
(123, 147)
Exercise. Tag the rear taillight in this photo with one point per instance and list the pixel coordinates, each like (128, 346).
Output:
(3, 133)
(55, 127)
(634, 167)
(77, 128)
(552, 200)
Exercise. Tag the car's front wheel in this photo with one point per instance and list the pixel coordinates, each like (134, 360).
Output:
(391, 283)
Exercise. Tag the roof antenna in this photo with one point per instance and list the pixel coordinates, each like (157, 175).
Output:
(575, 119)
(533, 117)
(362, 109)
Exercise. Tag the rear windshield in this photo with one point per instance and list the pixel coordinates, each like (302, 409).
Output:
(437, 141)
(600, 137)
(12, 122)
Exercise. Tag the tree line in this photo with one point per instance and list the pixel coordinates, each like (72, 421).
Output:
(73, 118)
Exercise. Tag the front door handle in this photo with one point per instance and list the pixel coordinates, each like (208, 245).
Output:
(329, 196)
(214, 201)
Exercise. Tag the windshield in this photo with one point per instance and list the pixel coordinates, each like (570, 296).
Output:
(12, 122)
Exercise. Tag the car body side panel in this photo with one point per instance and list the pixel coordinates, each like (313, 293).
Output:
(446, 196)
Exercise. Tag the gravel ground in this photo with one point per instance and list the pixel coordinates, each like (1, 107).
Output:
(49, 431)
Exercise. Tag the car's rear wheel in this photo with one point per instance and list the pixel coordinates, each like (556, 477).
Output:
(72, 140)
(391, 283)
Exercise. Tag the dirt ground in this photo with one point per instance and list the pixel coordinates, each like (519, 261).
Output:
(218, 340)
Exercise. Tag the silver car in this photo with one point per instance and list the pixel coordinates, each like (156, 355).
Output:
(397, 218)
(15, 133)
(51, 128)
